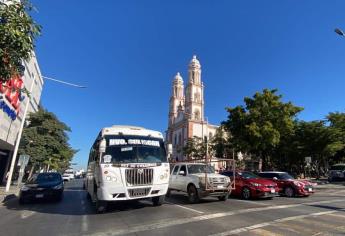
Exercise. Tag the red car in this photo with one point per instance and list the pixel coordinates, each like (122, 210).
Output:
(289, 186)
(249, 185)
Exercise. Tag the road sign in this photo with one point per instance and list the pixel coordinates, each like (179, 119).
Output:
(23, 160)
(308, 160)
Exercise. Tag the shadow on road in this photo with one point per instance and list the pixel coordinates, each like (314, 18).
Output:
(74, 202)
(182, 199)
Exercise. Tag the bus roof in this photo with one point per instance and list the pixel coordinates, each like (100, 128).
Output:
(130, 130)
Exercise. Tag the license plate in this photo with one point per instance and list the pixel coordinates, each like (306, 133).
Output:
(39, 196)
(273, 190)
(310, 189)
(220, 186)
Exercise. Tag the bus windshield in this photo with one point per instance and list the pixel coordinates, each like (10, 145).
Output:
(134, 149)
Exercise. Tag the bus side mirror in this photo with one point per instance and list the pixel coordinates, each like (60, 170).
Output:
(102, 145)
(170, 149)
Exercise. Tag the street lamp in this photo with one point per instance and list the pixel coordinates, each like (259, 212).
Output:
(19, 135)
(339, 31)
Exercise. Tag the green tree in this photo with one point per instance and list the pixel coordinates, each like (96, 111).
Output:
(259, 126)
(17, 35)
(221, 144)
(337, 123)
(45, 140)
(195, 148)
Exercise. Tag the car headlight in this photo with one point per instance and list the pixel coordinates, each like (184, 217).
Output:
(59, 186)
(256, 184)
(24, 188)
(297, 184)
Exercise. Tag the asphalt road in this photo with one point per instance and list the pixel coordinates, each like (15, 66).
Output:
(321, 214)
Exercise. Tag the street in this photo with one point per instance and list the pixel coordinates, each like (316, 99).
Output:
(321, 214)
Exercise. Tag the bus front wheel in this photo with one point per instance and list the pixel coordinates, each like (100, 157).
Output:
(158, 201)
(101, 206)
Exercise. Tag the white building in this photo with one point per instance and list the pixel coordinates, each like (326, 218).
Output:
(12, 104)
(186, 111)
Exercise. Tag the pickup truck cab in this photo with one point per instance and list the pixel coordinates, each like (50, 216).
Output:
(198, 180)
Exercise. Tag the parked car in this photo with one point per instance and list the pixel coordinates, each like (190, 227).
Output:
(289, 186)
(336, 172)
(191, 178)
(249, 185)
(42, 185)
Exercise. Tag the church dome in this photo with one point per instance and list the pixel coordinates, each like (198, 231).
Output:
(178, 78)
(194, 63)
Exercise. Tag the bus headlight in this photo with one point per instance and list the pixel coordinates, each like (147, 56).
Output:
(164, 176)
(108, 178)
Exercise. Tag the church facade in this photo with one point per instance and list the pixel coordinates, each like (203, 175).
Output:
(186, 111)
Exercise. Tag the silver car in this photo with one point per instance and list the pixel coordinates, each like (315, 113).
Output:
(336, 172)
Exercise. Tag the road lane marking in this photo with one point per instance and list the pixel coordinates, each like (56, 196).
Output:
(187, 208)
(264, 232)
(84, 224)
(164, 224)
(253, 202)
(273, 222)
(26, 213)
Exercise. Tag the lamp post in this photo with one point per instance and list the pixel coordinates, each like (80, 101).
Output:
(19, 135)
(339, 32)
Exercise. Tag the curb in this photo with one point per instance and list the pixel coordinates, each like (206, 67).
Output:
(5, 198)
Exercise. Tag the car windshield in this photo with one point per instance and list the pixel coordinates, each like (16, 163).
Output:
(248, 175)
(285, 176)
(338, 167)
(134, 149)
(196, 169)
(44, 177)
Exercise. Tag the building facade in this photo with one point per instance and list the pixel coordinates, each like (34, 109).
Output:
(12, 105)
(186, 111)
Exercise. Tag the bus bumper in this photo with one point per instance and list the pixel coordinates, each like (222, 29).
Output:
(130, 193)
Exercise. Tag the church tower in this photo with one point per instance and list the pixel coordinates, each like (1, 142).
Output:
(194, 102)
(176, 99)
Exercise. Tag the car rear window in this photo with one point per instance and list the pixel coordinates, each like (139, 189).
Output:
(45, 177)
(338, 167)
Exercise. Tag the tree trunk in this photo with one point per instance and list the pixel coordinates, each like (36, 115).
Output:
(31, 171)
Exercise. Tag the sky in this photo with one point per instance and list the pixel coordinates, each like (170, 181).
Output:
(128, 52)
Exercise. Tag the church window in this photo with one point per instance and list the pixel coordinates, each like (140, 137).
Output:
(197, 114)
(175, 139)
(210, 135)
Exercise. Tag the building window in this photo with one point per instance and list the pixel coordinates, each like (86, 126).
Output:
(197, 114)
(210, 135)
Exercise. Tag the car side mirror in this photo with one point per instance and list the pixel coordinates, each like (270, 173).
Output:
(182, 173)
(275, 178)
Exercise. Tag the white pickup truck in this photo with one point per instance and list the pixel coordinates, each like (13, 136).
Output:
(198, 181)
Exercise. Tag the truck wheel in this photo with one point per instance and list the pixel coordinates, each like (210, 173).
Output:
(193, 196)
(289, 192)
(246, 194)
(101, 206)
(158, 201)
(224, 198)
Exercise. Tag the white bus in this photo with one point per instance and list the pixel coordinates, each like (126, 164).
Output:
(125, 163)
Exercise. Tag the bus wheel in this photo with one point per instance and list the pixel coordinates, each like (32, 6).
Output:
(101, 206)
(158, 201)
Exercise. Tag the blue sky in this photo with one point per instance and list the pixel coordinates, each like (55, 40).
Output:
(127, 53)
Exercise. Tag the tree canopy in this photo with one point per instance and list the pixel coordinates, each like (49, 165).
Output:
(18, 32)
(45, 140)
(259, 126)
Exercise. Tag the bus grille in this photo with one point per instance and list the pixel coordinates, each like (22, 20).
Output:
(137, 177)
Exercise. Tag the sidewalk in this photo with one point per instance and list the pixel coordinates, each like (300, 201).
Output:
(4, 196)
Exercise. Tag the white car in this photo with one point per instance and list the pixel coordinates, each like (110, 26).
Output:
(67, 177)
(199, 180)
